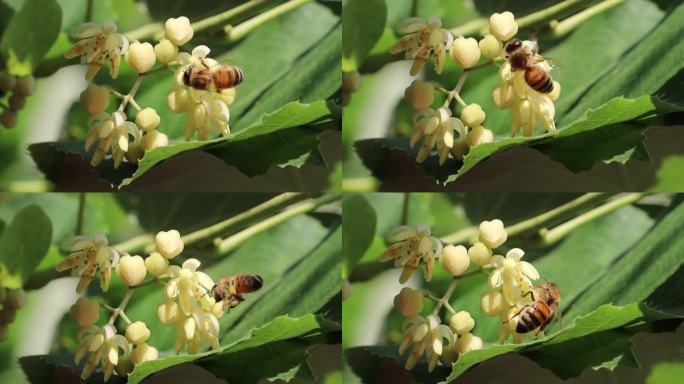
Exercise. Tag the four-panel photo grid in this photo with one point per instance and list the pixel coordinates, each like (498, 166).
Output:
(342, 191)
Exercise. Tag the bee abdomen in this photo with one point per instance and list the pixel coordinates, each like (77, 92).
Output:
(228, 77)
(532, 317)
(539, 80)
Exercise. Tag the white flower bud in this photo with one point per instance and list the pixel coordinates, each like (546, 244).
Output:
(131, 270)
(169, 243)
(525, 111)
(555, 93)
(95, 99)
(154, 139)
(85, 312)
(8, 118)
(480, 254)
(503, 25)
(479, 135)
(472, 115)
(465, 52)
(455, 259)
(156, 264)
(178, 100)
(140, 56)
(493, 233)
(168, 312)
(137, 332)
(147, 119)
(420, 94)
(16, 102)
(16, 298)
(492, 303)
(7, 81)
(468, 342)
(165, 51)
(351, 81)
(408, 302)
(178, 30)
(25, 85)
(491, 47)
(144, 352)
(461, 322)
(7, 315)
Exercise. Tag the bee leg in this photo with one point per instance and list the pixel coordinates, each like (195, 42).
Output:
(531, 293)
(203, 63)
(521, 309)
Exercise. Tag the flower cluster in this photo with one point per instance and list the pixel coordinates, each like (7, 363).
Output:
(509, 281)
(113, 132)
(426, 335)
(21, 88)
(205, 110)
(187, 304)
(11, 300)
(440, 128)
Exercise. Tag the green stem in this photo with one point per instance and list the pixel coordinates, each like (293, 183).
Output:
(230, 243)
(554, 235)
(89, 11)
(266, 207)
(405, 208)
(81, 213)
(120, 309)
(156, 30)
(564, 27)
(469, 234)
(481, 25)
(241, 30)
(446, 296)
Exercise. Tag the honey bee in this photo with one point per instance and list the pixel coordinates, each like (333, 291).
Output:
(541, 311)
(213, 78)
(523, 57)
(230, 288)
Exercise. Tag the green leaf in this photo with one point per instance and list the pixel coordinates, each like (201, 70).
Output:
(546, 350)
(23, 244)
(30, 34)
(603, 122)
(283, 335)
(647, 67)
(666, 373)
(293, 147)
(669, 176)
(360, 37)
(641, 270)
(278, 349)
(359, 230)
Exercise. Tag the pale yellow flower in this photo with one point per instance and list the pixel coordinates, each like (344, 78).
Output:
(423, 37)
(410, 247)
(89, 255)
(96, 44)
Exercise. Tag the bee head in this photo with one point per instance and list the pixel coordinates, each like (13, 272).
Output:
(186, 75)
(258, 281)
(513, 45)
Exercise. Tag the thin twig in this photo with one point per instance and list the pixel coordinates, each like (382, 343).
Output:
(405, 208)
(241, 30)
(80, 214)
(89, 11)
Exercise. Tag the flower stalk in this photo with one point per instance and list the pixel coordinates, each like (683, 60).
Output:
(241, 30)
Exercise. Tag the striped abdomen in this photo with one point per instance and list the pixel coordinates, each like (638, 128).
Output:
(538, 79)
(227, 77)
(533, 316)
